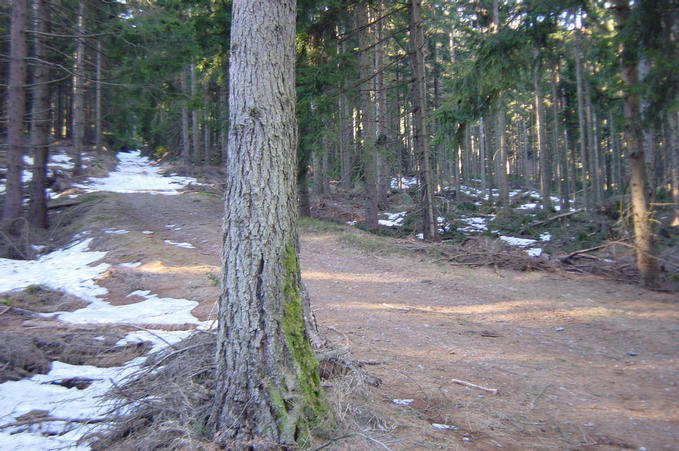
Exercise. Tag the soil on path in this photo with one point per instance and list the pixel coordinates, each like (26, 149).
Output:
(578, 362)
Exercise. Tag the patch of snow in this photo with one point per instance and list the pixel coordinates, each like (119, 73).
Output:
(534, 251)
(444, 427)
(153, 310)
(116, 231)
(529, 206)
(513, 241)
(66, 269)
(351, 223)
(406, 182)
(420, 236)
(402, 402)
(184, 245)
(146, 232)
(545, 236)
(393, 219)
(474, 224)
(130, 265)
(136, 174)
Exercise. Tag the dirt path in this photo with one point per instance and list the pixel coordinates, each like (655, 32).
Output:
(578, 362)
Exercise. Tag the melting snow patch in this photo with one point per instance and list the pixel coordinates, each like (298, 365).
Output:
(135, 174)
(351, 223)
(402, 402)
(153, 310)
(116, 231)
(546, 236)
(146, 232)
(393, 219)
(443, 427)
(184, 245)
(67, 270)
(130, 265)
(534, 252)
(529, 206)
(513, 241)
(406, 182)
(474, 224)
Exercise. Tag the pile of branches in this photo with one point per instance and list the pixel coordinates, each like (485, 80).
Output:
(164, 405)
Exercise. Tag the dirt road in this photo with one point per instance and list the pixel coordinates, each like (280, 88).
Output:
(577, 361)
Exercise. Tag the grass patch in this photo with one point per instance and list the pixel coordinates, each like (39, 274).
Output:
(311, 225)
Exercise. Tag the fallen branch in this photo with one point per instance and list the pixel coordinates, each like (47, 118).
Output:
(549, 220)
(333, 353)
(480, 387)
(48, 419)
(532, 404)
(6, 309)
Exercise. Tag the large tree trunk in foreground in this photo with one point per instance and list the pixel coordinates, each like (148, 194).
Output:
(268, 389)
(641, 216)
(40, 116)
(420, 136)
(15, 110)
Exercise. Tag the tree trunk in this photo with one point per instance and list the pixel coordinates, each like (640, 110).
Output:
(195, 119)
(643, 226)
(383, 139)
(186, 144)
(675, 167)
(502, 179)
(268, 391)
(420, 135)
(40, 115)
(97, 102)
(586, 197)
(79, 91)
(366, 69)
(543, 148)
(16, 110)
(560, 151)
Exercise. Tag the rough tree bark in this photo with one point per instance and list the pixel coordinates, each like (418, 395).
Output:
(268, 390)
(641, 216)
(543, 148)
(366, 71)
(186, 144)
(675, 167)
(420, 136)
(97, 102)
(79, 91)
(40, 116)
(15, 110)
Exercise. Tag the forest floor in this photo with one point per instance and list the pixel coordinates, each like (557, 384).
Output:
(468, 358)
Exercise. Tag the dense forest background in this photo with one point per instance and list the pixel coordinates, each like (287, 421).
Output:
(576, 100)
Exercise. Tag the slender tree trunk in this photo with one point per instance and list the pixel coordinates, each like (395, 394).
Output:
(543, 148)
(586, 197)
(186, 144)
(268, 391)
(592, 160)
(482, 157)
(502, 180)
(79, 91)
(223, 126)
(40, 113)
(643, 226)
(367, 117)
(383, 138)
(97, 102)
(15, 110)
(195, 116)
(560, 151)
(420, 135)
(675, 167)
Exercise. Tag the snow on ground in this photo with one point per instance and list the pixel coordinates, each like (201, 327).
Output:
(74, 270)
(474, 224)
(184, 245)
(406, 182)
(393, 219)
(135, 174)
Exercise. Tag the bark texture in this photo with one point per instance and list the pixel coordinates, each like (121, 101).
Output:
(79, 91)
(15, 110)
(641, 216)
(268, 390)
(366, 72)
(420, 136)
(40, 116)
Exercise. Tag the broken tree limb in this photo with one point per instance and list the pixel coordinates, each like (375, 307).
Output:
(552, 219)
(333, 353)
(479, 387)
